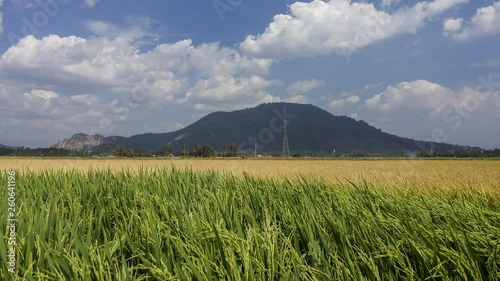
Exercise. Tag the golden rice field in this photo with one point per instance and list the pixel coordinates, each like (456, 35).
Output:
(421, 174)
(186, 219)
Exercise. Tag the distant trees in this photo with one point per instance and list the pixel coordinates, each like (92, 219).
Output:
(233, 150)
(202, 151)
(26, 151)
(122, 152)
(167, 150)
(206, 151)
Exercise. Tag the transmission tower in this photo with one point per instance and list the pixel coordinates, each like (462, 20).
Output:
(286, 148)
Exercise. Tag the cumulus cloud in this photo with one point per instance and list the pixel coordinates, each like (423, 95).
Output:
(221, 92)
(418, 94)
(486, 22)
(338, 27)
(54, 73)
(117, 64)
(426, 110)
(38, 104)
(304, 86)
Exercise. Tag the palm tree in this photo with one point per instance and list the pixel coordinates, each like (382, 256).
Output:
(184, 150)
(85, 148)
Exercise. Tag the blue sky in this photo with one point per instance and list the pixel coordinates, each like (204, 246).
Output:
(421, 69)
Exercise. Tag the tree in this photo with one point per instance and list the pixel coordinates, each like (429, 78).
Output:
(167, 150)
(207, 151)
(184, 150)
(85, 149)
(127, 152)
(195, 151)
(116, 151)
(233, 150)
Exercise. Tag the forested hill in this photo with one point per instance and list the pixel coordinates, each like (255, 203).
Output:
(310, 128)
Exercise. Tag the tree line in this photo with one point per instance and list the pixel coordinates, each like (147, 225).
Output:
(197, 151)
(203, 151)
(207, 151)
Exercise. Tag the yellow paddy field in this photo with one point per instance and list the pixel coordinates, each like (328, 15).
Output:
(447, 174)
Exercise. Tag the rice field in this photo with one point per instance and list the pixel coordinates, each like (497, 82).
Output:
(253, 219)
(413, 174)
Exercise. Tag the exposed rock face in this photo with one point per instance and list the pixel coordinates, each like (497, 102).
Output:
(79, 141)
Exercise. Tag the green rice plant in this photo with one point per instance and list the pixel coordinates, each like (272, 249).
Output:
(185, 225)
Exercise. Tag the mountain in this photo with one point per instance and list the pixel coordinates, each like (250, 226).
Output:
(310, 128)
(80, 141)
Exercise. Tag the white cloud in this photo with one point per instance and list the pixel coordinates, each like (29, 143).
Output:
(42, 94)
(423, 96)
(46, 115)
(352, 100)
(426, 110)
(337, 27)
(418, 94)
(168, 70)
(298, 99)
(225, 89)
(452, 25)
(486, 22)
(72, 76)
(304, 86)
(90, 3)
(423, 110)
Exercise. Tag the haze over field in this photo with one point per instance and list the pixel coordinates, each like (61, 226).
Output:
(416, 69)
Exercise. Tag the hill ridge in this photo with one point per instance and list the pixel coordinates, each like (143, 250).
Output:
(311, 128)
